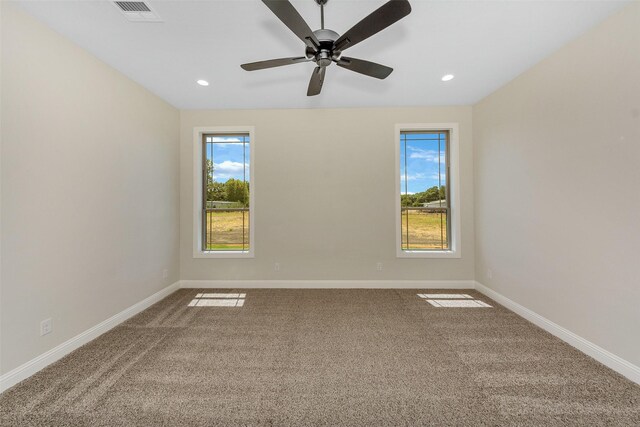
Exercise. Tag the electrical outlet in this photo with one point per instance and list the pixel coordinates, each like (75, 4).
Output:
(276, 266)
(489, 273)
(165, 273)
(46, 327)
(379, 266)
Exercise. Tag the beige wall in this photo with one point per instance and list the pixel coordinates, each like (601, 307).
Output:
(557, 187)
(325, 189)
(89, 190)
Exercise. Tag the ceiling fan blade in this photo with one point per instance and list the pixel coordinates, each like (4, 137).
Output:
(292, 19)
(365, 67)
(315, 84)
(381, 18)
(271, 63)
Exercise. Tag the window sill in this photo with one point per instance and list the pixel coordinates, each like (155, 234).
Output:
(429, 254)
(223, 254)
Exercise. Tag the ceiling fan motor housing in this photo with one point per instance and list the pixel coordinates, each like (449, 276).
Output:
(325, 53)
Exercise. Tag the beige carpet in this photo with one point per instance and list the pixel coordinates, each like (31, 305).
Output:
(323, 357)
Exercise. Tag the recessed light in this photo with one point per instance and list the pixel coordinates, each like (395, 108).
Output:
(447, 77)
(203, 83)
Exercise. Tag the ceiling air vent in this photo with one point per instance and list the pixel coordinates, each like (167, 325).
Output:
(137, 11)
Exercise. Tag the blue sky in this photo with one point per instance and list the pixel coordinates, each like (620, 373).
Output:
(227, 157)
(422, 161)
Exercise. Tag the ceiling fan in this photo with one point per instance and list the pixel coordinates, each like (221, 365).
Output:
(325, 46)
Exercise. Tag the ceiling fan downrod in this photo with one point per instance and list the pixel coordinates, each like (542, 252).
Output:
(322, 3)
(325, 53)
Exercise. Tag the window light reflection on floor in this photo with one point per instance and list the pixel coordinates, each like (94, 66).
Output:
(221, 295)
(447, 296)
(462, 303)
(218, 300)
(454, 301)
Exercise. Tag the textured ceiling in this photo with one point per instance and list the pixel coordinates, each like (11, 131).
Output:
(484, 44)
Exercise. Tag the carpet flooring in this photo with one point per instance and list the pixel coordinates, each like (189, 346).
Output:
(323, 357)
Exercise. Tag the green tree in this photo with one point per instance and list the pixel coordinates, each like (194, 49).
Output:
(432, 194)
(216, 191)
(407, 200)
(237, 191)
(429, 195)
(210, 181)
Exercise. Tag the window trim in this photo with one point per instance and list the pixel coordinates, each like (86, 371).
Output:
(455, 250)
(198, 134)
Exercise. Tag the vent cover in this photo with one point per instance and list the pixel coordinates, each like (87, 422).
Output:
(133, 6)
(137, 11)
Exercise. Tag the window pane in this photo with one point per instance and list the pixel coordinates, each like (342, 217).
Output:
(226, 194)
(425, 230)
(424, 180)
(225, 230)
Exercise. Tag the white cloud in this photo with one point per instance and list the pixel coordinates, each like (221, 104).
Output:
(443, 176)
(428, 155)
(229, 169)
(414, 177)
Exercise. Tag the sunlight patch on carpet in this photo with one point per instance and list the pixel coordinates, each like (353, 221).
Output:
(445, 296)
(218, 300)
(453, 301)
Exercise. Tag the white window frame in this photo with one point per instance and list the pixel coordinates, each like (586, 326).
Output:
(455, 250)
(198, 134)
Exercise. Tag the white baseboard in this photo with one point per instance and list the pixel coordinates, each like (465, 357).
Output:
(31, 367)
(328, 284)
(603, 356)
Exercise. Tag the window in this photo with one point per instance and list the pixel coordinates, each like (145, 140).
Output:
(426, 196)
(424, 174)
(223, 190)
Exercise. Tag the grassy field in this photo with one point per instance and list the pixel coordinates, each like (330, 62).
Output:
(225, 231)
(426, 230)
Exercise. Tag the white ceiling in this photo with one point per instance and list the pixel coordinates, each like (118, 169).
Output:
(484, 44)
